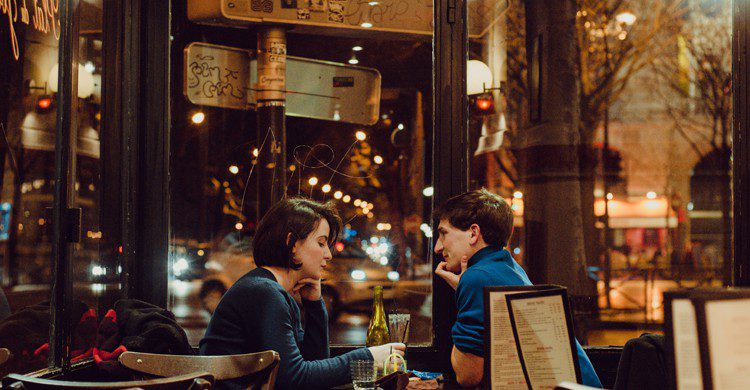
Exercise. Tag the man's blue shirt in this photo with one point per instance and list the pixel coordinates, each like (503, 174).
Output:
(494, 266)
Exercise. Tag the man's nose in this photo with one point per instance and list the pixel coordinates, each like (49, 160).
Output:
(438, 247)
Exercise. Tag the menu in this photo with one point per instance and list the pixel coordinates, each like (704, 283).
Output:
(529, 342)
(707, 337)
(686, 349)
(725, 332)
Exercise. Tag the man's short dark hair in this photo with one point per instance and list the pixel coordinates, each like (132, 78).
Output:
(490, 212)
(298, 217)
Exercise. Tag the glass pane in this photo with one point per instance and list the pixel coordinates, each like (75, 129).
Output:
(654, 162)
(362, 146)
(29, 55)
(96, 266)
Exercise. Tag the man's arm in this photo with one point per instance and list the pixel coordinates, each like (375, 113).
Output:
(469, 368)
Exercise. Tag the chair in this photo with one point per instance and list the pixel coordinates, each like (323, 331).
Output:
(193, 381)
(255, 370)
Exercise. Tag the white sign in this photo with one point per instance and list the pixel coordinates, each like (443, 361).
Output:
(361, 16)
(221, 76)
(217, 76)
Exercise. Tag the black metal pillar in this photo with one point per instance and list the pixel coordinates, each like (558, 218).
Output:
(271, 98)
(64, 191)
(450, 159)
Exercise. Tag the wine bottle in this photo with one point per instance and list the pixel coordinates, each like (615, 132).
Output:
(377, 332)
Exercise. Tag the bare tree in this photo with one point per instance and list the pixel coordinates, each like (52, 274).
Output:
(616, 40)
(699, 76)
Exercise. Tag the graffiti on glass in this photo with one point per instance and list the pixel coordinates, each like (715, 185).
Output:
(209, 80)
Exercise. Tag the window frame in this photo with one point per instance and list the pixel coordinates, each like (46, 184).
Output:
(135, 153)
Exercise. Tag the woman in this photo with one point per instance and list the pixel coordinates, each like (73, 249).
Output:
(291, 248)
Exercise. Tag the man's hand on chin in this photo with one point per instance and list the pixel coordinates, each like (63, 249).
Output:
(450, 277)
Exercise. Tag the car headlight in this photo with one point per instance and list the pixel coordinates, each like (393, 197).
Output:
(180, 266)
(98, 270)
(358, 274)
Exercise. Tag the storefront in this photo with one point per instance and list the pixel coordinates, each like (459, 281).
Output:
(142, 140)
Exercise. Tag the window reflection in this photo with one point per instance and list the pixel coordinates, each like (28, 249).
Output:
(654, 153)
(376, 172)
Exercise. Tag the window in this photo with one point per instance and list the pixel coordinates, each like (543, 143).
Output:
(29, 99)
(360, 138)
(644, 189)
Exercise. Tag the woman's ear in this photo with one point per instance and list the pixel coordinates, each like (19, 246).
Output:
(289, 239)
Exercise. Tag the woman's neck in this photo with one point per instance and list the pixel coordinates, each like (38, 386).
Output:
(287, 278)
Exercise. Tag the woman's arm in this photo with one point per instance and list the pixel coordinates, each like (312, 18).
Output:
(315, 344)
(267, 311)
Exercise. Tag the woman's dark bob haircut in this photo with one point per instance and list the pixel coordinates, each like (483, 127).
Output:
(297, 217)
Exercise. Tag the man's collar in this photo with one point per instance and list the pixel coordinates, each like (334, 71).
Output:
(484, 253)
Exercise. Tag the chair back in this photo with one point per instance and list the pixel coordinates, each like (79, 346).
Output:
(192, 381)
(253, 370)
(5, 355)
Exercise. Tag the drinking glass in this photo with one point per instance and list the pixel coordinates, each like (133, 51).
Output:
(398, 327)
(363, 374)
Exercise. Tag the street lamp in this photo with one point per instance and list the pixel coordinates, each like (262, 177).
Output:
(378, 160)
(626, 18)
(361, 136)
(338, 194)
(198, 117)
(233, 169)
(313, 181)
(346, 198)
(326, 188)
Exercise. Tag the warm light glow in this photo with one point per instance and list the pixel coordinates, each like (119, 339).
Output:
(651, 195)
(353, 61)
(89, 67)
(338, 194)
(292, 168)
(201, 252)
(378, 160)
(428, 191)
(313, 181)
(518, 195)
(366, 24)
(256, 153)
(610, 196)
(370, 215)
(326, 188)
(357, 48)
(626, 18)
(233, 169)
(238, 226)
(361, 136)
(370, 206)
(198, 118)
(363, 204)
(478, 77)
(346, 198)
(44, 103)
(357, 202)
(400, 126)
(484, 104)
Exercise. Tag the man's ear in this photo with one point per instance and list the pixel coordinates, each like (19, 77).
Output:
(476, 234)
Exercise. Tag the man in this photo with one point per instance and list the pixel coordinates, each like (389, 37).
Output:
(474, 229)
